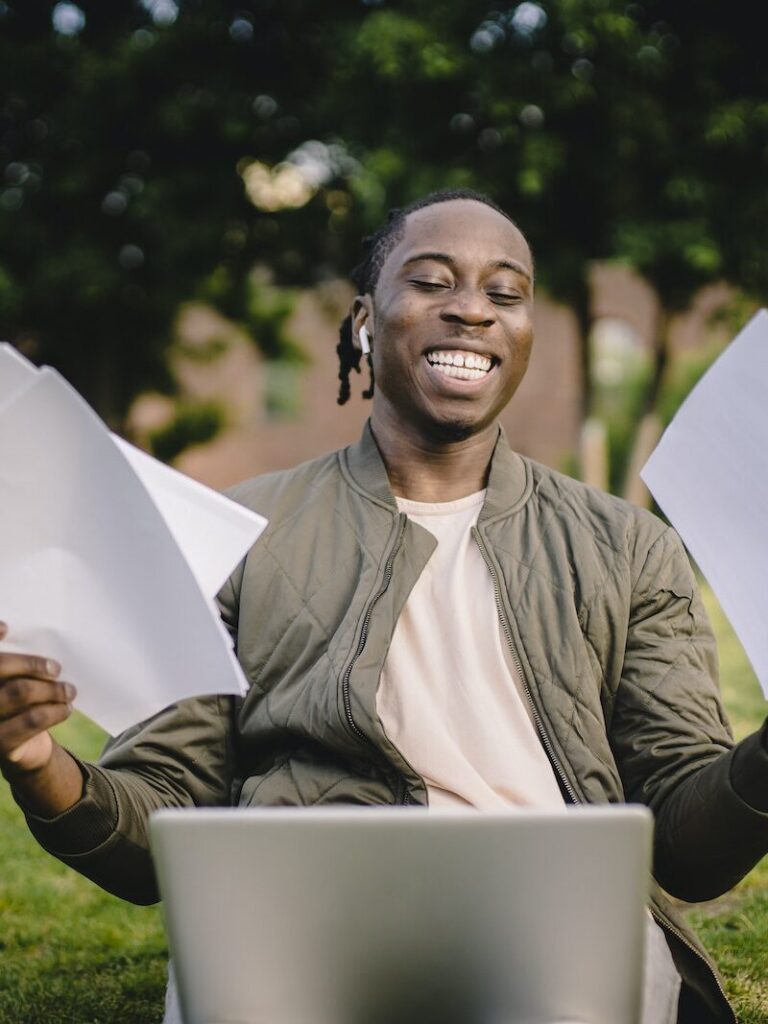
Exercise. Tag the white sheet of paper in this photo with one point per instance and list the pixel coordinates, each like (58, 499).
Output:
(709, 474)
(90, 573)
(213, 532)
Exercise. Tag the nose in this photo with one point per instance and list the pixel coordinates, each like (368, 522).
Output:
(468, 306)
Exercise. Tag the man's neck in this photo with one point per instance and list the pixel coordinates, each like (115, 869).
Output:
(422, 469)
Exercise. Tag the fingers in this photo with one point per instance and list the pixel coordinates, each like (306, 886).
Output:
(27, 665)
(32, 698)
(27, 680)
(22, 694)
(15, 732)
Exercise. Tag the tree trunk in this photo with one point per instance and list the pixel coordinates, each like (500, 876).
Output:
(593, 459)
(581, 304)
(649, 425)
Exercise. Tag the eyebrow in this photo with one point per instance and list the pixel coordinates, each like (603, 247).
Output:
(444, 257)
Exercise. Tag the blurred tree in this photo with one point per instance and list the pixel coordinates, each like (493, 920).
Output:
(613, 131)
(192, 423)
(687, 203)
(154, 149)
(122, 129)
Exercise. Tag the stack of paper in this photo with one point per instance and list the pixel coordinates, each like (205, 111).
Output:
(709, 474)
(109, 560)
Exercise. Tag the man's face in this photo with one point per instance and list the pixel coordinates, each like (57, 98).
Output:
(451, 320)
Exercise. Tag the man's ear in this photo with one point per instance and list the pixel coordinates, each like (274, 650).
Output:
(362, 316)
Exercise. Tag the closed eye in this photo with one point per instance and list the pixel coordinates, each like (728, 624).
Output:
(427, 284)
(504, 298)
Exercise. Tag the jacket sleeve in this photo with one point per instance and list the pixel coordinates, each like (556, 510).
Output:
(182, 757)
(673, 743)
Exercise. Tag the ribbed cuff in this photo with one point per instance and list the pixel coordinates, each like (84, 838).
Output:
(749, 770)
(86, 825)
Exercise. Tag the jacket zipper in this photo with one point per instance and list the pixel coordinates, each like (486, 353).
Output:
(546, 742)
(665, 923)
(402, 519)
(551, 753)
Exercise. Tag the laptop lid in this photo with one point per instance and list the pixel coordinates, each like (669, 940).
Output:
(405, 916)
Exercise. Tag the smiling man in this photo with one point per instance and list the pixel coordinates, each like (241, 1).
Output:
(432, 619)
(451, 314)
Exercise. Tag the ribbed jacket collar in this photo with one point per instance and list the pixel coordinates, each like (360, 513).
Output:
(509, 481)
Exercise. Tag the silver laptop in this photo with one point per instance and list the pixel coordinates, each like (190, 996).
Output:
(405, 916)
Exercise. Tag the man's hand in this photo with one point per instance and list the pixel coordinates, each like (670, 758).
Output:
(32, 699)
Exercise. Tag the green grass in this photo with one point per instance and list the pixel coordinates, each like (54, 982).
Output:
(71, 954)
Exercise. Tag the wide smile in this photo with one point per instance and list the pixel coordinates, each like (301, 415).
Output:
(460, 367)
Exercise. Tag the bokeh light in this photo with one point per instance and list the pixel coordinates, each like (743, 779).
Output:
(68, 19)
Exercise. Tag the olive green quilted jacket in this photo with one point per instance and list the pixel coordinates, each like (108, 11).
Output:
(601, 612)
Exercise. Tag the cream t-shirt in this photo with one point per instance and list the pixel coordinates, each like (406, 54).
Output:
(450, 698)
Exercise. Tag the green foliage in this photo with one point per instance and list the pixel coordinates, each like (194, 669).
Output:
(119, 153)
(620, 381)
(399, 46)
(208, 352)
(193, 423)
(620, 403)
(266, 315)
(282, 395)
(630, 132)
(620, 409)
(685, 373)
(260, 306)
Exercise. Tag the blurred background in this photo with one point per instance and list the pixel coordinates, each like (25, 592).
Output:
(184, 185)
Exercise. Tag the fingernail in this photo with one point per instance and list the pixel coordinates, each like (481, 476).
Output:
(52, 667)
(70, 691)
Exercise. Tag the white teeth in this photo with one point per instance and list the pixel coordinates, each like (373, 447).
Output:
(460, 372)
(460, 361)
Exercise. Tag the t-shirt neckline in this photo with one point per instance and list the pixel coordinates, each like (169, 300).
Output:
(441, 508)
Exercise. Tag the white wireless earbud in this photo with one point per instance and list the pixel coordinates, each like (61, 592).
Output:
(365, 340)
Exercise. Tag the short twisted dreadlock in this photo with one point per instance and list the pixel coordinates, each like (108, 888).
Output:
(376, 249)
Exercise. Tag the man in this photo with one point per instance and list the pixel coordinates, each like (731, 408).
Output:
(431, 618)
